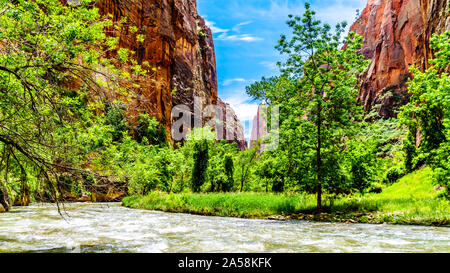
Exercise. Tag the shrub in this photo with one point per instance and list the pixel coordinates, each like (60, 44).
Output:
(201, 157)
(392, 175)
(150, 129)
(115, 117)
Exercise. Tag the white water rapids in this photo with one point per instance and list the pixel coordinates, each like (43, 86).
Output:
(110, 227)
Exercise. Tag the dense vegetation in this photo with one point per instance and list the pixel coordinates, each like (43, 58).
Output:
(58, 90)
(64, 125)
(329, 147)
(412, 200)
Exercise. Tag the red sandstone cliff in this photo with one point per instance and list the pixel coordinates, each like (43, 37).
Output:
(233, 130)
(180, 45)
(396, 35)
(259, 127)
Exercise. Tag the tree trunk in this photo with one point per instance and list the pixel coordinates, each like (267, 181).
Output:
(242, 178)
(319, 198)
(4, 199)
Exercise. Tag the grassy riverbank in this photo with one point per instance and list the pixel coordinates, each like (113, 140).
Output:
(412, 200)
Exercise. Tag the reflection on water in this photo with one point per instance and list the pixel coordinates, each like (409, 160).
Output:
(112, 228)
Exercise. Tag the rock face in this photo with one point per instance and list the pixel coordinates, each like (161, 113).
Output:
(233, 130)
(259, 127)
(396, 36)
(179, 44)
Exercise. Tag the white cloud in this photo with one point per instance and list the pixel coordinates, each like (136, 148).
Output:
(243, 37)
(245, 112)
(332, 12)
(270, 65)
(230, 81)
(244, 109)
(237, 28)
(225, 36)
(213, 28)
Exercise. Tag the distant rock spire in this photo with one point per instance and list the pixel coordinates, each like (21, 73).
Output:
(259, 128)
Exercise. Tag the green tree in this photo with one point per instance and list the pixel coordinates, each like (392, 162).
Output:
(270, 171)
(115, 117)
(51, 85)
(245, 161)
(428, 113)
(326, 77)
(201, 157)
(361, 156)
(150, 129)
(229, 171)
(273, 90)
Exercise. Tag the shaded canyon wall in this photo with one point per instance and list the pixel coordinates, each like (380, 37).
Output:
(179, 44)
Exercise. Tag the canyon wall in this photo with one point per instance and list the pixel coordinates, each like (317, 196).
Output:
(396, 36)
(259, 127)
(179, 45)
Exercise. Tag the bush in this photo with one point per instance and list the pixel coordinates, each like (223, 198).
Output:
(150, 129)
(392, 175)
(376, 187)
(115, 117)
(201, 157)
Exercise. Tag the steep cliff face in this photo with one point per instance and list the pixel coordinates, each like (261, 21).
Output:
(396, 36)
(179, 44)
(233, 130)
(259, 127)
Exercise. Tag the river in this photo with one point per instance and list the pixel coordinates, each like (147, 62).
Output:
(109, 227)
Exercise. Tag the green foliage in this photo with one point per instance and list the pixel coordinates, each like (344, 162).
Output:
(393, 174)
(412, 200)
(150, 130)
(272, 90)
(45, 47)
(428, 113)
(229, 171)
(115, 117)
(326, 144)
(362, 160)
(271, 173)
(52, 91)
(250, 205)
(245, 161)
(316, 95)
(200, 157)
(409, 148)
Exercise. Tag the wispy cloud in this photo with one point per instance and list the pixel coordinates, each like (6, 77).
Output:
(230, 81)
(235, 30)
(270, 65)
(213, 28)
(243, 37)
(244, 110)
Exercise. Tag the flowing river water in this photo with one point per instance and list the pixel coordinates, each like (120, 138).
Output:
(110, 227)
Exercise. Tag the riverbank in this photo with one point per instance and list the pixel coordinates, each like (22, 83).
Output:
(413, 200)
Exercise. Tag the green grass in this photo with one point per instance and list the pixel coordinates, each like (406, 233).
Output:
(246, 205)
(412, 200)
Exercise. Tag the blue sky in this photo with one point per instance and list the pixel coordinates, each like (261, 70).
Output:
(245, 34)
